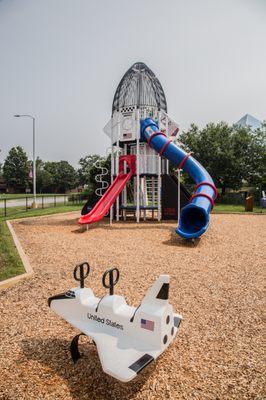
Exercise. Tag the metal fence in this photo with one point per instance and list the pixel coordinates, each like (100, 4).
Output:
(16, 206)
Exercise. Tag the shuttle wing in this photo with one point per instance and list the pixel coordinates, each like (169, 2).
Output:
(119, 358)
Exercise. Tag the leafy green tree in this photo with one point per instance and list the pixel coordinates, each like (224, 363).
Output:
(63, 175)
(257, 158)
(230, 154)
(86, 163)
(16, 169)
(44, 179)
(51, 168)
(92, 172)
(66, 177)
(41, 182)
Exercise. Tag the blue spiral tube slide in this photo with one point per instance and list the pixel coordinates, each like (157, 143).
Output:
(195, 217)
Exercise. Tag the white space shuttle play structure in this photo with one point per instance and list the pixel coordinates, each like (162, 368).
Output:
(127, 338)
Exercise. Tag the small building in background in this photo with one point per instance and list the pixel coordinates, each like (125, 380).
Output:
(249, 121)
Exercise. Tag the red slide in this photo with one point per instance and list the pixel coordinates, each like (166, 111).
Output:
(107, 200)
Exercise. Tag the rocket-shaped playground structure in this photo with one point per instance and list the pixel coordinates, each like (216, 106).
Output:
(143, 142)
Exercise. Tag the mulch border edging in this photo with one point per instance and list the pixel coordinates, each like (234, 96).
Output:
(25, 261)
(24, 258)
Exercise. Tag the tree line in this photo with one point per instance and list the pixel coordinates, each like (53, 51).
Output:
(51, 176)
(233, 155)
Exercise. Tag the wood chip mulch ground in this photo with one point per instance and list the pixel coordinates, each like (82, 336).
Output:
(216, 284)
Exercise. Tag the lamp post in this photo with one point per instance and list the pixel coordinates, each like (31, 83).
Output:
(34, 204)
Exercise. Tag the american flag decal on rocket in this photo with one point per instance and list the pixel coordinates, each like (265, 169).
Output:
(146, 324)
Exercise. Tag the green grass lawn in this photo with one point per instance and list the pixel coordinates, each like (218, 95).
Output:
(47, 211)
(20, 211)
(10, 262)
(232, 208)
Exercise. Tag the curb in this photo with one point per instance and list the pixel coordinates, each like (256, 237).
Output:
(25, 261)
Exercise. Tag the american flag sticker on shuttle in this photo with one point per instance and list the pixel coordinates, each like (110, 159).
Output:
(146, 324)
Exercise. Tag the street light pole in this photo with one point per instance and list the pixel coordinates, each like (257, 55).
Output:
(34, 204)
(34, 161)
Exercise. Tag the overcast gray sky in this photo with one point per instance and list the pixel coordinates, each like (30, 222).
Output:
(61, 60)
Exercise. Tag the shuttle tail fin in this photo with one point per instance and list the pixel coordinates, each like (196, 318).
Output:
(158, 291)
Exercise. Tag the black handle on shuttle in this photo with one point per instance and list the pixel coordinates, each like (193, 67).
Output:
(83, 273)
(112, 281)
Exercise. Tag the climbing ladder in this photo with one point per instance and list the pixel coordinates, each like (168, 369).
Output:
(99, 178)
(152, 191)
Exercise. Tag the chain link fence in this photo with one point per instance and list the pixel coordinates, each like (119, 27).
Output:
(16, 206)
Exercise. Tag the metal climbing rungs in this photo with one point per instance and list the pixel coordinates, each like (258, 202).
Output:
(99, 178)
